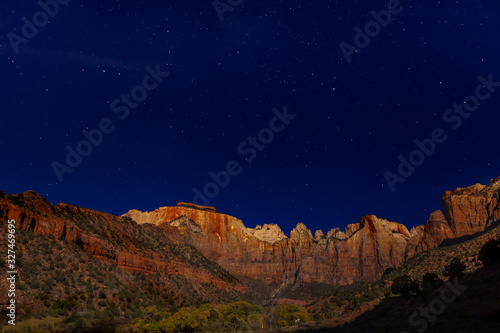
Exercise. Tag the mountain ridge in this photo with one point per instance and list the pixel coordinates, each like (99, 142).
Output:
(363, 251)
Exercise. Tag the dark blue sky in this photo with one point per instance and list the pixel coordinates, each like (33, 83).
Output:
(326, 168)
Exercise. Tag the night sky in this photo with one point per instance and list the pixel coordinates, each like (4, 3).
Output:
(326, 167)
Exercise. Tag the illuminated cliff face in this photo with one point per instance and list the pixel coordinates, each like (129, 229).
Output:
(265, 253)
(363, 251)
(472, 209)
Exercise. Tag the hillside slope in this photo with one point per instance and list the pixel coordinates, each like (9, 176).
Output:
(76, 256)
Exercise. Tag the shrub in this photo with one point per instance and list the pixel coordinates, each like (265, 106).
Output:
(490, 252)
(328, 309)
(62, 307)
(102, 294)
(405, 285)
(102, 303)
(337, 300)
(454, 268)
(430, 280)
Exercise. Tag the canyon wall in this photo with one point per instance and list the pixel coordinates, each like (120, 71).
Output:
(362, 252)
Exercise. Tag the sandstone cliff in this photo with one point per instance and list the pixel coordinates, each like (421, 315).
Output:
(362, 252)
(472, 209)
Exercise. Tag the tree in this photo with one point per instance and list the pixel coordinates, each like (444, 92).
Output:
(288, 315)
(112, 310)
(184, 320)
(430, 281)
(490, 252)
(99, 322)
(328, 309)
(405, 285)
(167, 325)
(454, 268)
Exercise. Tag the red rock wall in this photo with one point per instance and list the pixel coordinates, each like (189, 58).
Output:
(69, 232)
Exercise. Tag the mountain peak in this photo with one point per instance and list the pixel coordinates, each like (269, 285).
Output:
(494, 184)
(300, 231)
(270, 233)
(32, 194)
(476, 189)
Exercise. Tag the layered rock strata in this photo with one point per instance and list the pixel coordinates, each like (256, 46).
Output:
(362, 252)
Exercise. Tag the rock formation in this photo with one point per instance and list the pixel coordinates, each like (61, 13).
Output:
(472, 209)
(32, 213)
(436, 230)
(466, 211)
(362, 252)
